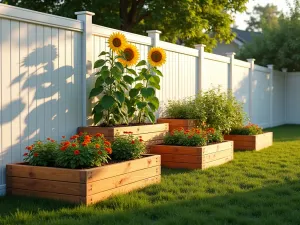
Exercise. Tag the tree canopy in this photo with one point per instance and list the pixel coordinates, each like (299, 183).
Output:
(263, 16)
(184, 21)
(278, 45)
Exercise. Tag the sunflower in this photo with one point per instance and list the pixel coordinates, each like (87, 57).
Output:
(157, 56)
(131, 55)
(117, 41)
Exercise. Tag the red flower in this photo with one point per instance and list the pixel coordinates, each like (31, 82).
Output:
(97, 146)
(74, 145)
(29, 148)
(108, 150)
(141, 140)
(48, 139)
(84, 144)
(76, 152)
(52, 141)
(63, 137)
(132, 142)
(99, 152)
(36, 154)
(80, 133)
(25, 154)
(98, 135)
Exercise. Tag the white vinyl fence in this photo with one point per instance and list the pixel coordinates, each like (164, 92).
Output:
(46, 73)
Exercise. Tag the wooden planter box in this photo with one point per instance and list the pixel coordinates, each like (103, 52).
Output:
(85, 186)
(251, 142)
(151, 133)
(194, 157)
(177, 123)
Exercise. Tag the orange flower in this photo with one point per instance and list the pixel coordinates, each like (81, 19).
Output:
(108, 150)
(97, 146)
(84, 144)
(63, 148)
(80, 133)
(48, 139)
(25, 154)
(39, 143)
(29, 148)
(76, 152)
(36, 154)
(74, 145)
(63, 137)
(107, 143)
(99, 152)
(52, 141)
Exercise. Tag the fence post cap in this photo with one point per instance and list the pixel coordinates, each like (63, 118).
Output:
(84, 13)
(199, 46)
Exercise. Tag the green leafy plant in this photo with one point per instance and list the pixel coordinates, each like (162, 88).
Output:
(127, 147)
(181, 137)
(42, 153)
(83, 151)
(214, 136)
(250, 129)
(221, 110)
(180, 109)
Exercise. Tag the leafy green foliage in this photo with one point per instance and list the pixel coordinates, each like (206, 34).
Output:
(110, 87)
(262, 16)
(221, 110)
(278, 45)
(41, 153)
(213, 108)
(127, 147)
(142, 102)
(181, 21)
(250, 129)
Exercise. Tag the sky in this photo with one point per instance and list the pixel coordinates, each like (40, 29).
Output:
(281, 4)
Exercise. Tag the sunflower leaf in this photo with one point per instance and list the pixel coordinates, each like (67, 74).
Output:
(128, 79)
(99, 63)
(141, 63)
(107, 101)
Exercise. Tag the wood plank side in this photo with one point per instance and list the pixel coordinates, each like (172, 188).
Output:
(137, 130)
(179, 150)
(47, 173)
(264, 140)
(59, 187)
(181, 158)
(240, 137)
(178, 122)
(217, 147)
(217, 155)
(122, 189)
(112, 170)
(49, 195)
(217, 162)
(121, 180)
(182, 165)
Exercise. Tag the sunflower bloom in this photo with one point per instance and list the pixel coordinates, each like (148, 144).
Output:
(157, 56)
(131, 55)
(117, 42)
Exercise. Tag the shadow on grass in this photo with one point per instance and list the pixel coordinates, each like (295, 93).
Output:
(285, 133)
(274, 205)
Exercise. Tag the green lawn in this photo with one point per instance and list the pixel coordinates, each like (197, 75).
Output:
(256, 188)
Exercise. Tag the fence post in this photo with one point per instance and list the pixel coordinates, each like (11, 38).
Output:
(87, 56)
(200, 72)
(251, 73)
(285, 93)
(271, 94)
(155, 36)
(231, 67)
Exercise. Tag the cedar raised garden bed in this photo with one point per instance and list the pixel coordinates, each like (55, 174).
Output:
(151, 133)
(251, 142)
(194, 157)
(187, 124)
(85, 186)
